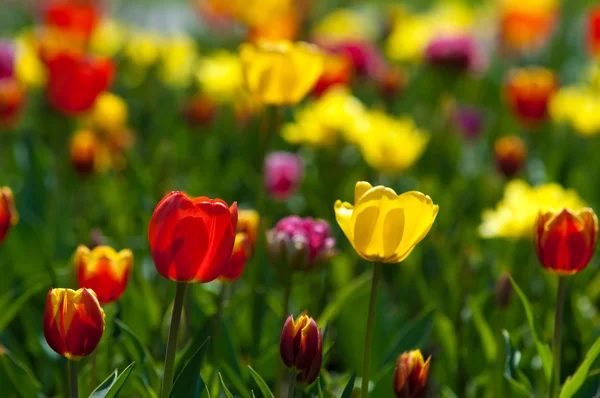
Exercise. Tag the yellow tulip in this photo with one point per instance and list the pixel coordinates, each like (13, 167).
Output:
(383, 226)
(280, 73)
(219, 76)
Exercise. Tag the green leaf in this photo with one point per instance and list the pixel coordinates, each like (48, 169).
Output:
(224, 387)
(349, 387)
(511, 362)
(189, 382)
(575, 381)
(542, 348)
(112, 385)
(233, 378)
(11, 305)
(488, 339)
(411, 337)
(262, 385)
(319, 390)
(142, 355)
(352, 289)
(21, 377)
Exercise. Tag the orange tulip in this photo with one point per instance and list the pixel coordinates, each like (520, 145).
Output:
(103, 270)
(511, 153)
(410, 376)
(566, 240)
(11, 101)
(528, 92)
(76, 19)
(73, 322)
(8, 213)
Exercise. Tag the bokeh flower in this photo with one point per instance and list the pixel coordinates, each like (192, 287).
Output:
(8, 213)
(410, 375)
(337, 71)
(248, 221)
(511, 153)
(383, 226)
(579, 106)
(219, 76)
(455, 52)
(103, 270)
(280, 73)
(526, 25)
(528, 92)
(300, 243)
(7, 59)
(593, 32)
(283, 174)
(108, 114)
(301, 347)
(468, 121)
(85, 150)
(199, 110)
(76, 19)
(516, 214)
(239, 256)
(73, 322)
(191, 240)
(12, 99)
(566, 240)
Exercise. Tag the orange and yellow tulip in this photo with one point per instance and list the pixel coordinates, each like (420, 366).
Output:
(8, 212)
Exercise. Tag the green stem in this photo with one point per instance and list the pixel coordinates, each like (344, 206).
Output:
(287, 292)
(364, 391)
(172, 341)
(74, 388)
(556, 341)
(292, 385)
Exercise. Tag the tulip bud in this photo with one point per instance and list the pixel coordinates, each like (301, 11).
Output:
(392, 82)
(410, 376)
(199, 110)
(452, 52)
(73, 322)
(566, 240)
(504, 291)
(283, 173)
(468, 121)
(511, 153)
(8, 213)
(103, 270)
(12, 98)
(528, 92)
(301, 347)
(85, 148)
(300, 243)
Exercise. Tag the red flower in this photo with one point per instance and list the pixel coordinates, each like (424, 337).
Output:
(301, 347)
(593, 32)
(528, 91)
(73, 322)
(511, 154)
(192, 239)
(337, 71)
(74, 18)
(103, 270)
(8, 213)
(410, 375)
(11, 101)
(566, 241)
(75, 81)
(242, 250)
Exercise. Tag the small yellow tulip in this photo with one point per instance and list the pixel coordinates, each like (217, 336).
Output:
(383, 226)
(280, 73)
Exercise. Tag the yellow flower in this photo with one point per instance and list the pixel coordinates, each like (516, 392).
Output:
(309, 130)
(178, 58)
(109, 113)
(383, 226)
(108, 38)
(391, 145)
(515, 215)
(280, 73)
(143, 48)
(348, 24)
(29, 69)
(579, 106)
(220, 76)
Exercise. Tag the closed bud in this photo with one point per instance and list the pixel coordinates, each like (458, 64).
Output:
(504, 291)
(566, 240)
(85, 150)
(511, 154)
(301, 347)
(283, 174)
(8, 213)
(528, 92)
(199, 110)
(410, 376)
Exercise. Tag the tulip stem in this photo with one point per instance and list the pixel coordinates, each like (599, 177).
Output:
(74, 387)
(172, 341)
(364, 390)
(292, 385)
(556, 341)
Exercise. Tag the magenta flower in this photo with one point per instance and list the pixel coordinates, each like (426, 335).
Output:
(458, 52)
(468, 121)
(7, 59)
(300, 243)
(366, 58)
(283, 173)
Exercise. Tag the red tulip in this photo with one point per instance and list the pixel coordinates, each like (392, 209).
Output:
(528, 92)
(191, 240)
(240, 255)
(566, 240)
(593, 32)
(73, 322)
(103, 270)
(410, 375)
(8, 213)
(75, 81)
(511, 153)
(301, 347)
(74, 18)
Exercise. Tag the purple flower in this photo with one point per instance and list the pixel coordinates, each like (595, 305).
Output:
(283, 173)
(300, 243)
(458, 52)
(7, 59)
(468, 121)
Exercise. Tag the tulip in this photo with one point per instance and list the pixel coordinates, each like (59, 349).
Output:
(504, 291)
(511, 154)
(528, 92)
(191, 240)
(12, 99)
(73, 322)
(103, 270)
(301, 347)
(383, 226)
(75, 81)
(593, 32)
(78, 20)
(85, 149)
(283, 173)
(468, 121)
(410, 375)
(239, 256)
(337, 71)
(453, 52)
(7, 59)
(366, 57)
(280, 73)
(526, 27)
(8, 213)
(566, 240)
(109, 114)
(300, 243)
(199, 110)
(391, 82)
(248, 221)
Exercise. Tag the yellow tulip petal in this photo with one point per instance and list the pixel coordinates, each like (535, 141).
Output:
(420, 214)
(366, 242)
(343, 216)
(360, 189)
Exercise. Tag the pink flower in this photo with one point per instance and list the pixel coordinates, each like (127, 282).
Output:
(283, 173)
(7, 59)
(458, 52)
